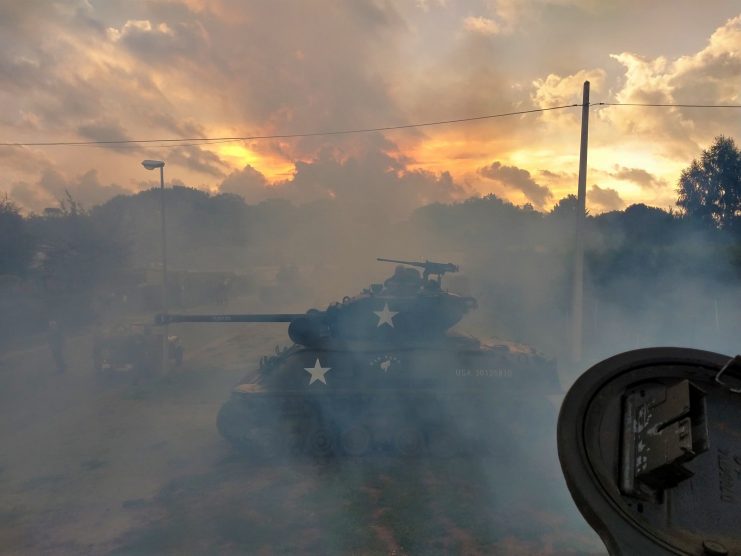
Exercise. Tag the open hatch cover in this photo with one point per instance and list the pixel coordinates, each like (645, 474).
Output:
(650, 445)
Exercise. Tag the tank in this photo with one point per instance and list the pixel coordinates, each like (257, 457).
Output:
(381, 371)
(132, 347)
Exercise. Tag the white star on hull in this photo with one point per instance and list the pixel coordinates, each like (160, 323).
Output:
(317, 372)
(385, 316)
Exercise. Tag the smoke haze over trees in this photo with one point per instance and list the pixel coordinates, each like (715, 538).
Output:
(643, 262)
(652, 277)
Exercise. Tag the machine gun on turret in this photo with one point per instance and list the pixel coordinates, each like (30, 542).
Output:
(436, 269)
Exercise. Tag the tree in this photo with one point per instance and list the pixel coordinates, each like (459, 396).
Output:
(77, 251)
(710, 189)
(16, 245)
(565, 208)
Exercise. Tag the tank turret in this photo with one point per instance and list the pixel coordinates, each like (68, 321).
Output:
(406, 308)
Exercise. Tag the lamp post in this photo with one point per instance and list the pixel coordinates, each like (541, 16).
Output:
(151, 165)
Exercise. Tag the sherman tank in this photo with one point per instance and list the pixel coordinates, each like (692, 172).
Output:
(381, 370)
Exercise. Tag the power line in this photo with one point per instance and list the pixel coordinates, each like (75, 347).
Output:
(666, 105)
(203, 141)
(111, 145)
(210, 140)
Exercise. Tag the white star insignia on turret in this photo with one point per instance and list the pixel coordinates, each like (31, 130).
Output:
(385, 316)
(317, 372)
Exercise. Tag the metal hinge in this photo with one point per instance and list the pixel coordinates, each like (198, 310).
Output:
(734, 364)
(664, 427)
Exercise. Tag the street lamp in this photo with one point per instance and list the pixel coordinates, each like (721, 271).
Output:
(151, 165)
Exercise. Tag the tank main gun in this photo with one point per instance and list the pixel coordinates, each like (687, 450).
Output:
(254, 317)
(429, 267)
(404, 310)
(307, 328)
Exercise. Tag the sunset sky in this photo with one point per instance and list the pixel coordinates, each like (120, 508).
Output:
(82, 70)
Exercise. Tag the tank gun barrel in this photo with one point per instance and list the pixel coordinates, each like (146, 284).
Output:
(249, 317)
(429, 267)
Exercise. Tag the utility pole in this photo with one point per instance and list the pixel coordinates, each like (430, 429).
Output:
(577, 307)
(152, 165)
(166, 331)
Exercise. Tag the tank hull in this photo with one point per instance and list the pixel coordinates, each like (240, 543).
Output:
(444, 399)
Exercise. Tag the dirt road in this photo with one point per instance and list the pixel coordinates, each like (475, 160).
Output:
(91, 467)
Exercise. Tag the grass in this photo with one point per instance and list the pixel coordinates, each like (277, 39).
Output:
(368, 506)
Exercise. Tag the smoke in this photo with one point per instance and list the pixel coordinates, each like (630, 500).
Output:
(520, 180)
(126, 460)
(651, 278)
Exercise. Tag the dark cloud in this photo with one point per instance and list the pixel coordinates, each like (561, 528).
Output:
(162, 43)
(284, 68)
(638, 176)
(28, 196)
(186, 128)
(247, 182)
(550, 175)
(605, 198)
(519, 180)
(199, 160)
(23, 159)
(373, 181)
(88, 190)
(103, 131)
(52, 187)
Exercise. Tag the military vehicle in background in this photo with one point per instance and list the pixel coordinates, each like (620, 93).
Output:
(132, 348)
(380, 371)
(284, 286)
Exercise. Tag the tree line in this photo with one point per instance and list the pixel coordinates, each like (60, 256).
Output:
(74, 250)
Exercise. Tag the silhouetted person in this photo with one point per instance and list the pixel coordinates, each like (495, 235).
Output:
(56, 345)
(222, 292)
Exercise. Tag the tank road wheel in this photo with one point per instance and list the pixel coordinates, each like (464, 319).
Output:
(409, 441)
(233, 423)
(356, 440)
(278, 445)
(442, 444)
(321, 441)
(282, 440)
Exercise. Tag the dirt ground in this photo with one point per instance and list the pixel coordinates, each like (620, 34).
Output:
(91, 466)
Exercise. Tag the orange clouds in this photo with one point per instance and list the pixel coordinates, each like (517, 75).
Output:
(190, 68)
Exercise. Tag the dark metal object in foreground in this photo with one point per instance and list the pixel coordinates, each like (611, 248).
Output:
(650, 445)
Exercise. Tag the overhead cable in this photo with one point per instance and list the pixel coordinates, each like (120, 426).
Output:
(204, 141)
(209, 140)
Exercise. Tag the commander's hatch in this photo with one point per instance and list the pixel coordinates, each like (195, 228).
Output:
(650, 445)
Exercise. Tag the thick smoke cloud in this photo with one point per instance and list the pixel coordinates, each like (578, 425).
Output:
(605, 198)
(519, 180)
(52, 188)
(291, 224)
(638, 176)
(103, 131)
(374, 181)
